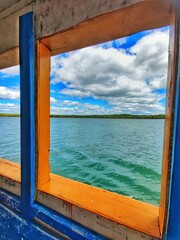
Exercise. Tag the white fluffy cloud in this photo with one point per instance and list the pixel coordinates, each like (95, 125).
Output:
(75, 92)
(152, 52)
(9, 93)
(52, 100)
(9, 108)
(127, 80)
(75, 107)
(12, 71)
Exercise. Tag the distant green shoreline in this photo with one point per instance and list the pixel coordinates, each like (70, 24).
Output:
(9, 115)
(114, 116)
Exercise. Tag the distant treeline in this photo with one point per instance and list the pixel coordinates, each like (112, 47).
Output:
(9, 115)
(122, 116)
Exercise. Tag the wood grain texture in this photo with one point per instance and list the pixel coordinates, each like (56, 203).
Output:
(106, 213)
(173, 222)
(110, 26)
(168, 127)
(106, 227)
(10, 176)
(124, 17)
(9, 58)
(123, 210)
(55, 16)
(9, 27)
(10, 169)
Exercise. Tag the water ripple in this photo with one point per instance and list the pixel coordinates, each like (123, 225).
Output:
(122, 156)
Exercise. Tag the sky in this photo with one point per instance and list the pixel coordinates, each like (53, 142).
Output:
(127, 75)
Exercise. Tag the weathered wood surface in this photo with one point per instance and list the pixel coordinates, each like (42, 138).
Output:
(120, 209)
(168, 126)
(54, 16)
(9, 58)
(120, 23)
(10, 176)
(10, 201)
(9, 27)
(50, 220)
(13, 227)
(7, 4)
(95, 222)
(173, 223)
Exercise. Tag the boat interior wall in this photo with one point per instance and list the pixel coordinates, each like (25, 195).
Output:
(7, 4)
(36, 203)
(9, 26)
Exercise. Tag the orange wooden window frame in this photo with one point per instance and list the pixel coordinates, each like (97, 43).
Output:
(134, 214)
(43, 113)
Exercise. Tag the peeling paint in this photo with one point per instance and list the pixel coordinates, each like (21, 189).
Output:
(19, 228)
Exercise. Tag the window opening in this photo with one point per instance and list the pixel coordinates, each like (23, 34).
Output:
(10, 114)
(89, 88)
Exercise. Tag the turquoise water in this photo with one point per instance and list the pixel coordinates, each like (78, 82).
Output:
(120, 155)
(10, 138)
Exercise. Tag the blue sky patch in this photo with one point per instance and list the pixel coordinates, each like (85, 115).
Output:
(119, 76)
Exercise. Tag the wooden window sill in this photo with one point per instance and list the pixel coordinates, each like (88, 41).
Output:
(123, 210)
(10, 176)
(10, 170)
(131, 213)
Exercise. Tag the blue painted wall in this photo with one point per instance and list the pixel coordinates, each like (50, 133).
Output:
(12, 227)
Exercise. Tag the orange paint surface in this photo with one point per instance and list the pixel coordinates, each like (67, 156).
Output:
(43, 125)
(126, 211)
(10, 170)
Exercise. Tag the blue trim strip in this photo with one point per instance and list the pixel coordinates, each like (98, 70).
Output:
(60, 223)
(27, 113)
(14, 227)
(173, 227)
(64, 225)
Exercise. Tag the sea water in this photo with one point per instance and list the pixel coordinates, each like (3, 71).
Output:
(119, 155)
